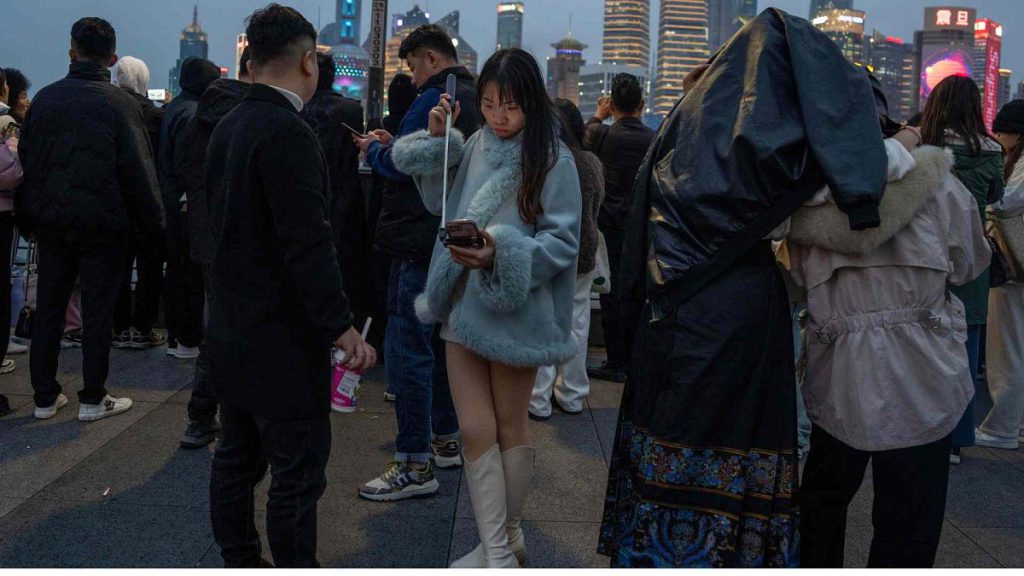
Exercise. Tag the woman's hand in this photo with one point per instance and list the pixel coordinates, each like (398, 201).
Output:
(476, 258)
(364, 143)
(384, 136)
(439, 115)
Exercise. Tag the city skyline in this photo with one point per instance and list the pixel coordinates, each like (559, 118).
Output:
(154, 33)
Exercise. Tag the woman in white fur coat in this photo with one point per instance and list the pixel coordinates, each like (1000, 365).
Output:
(506, 308)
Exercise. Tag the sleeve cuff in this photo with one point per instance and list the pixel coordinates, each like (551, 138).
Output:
(864, 217)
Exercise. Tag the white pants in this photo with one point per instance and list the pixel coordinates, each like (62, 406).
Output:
(1005, 361)
(569, 381)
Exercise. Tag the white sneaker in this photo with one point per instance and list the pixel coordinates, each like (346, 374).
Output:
(109, 406)
(7, 366)
(51, 411)
(990, 441)
(16, 348)
(185, 352)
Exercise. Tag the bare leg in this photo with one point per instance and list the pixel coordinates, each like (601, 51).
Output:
(512, 389)
(470, 378)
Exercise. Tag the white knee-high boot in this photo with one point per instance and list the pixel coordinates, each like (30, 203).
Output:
(518, 466)
(486, 480)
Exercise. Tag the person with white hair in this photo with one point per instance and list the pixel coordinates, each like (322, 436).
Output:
(132, 74)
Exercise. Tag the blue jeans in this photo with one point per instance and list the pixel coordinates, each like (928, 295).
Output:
(963, 434)
(414, 361)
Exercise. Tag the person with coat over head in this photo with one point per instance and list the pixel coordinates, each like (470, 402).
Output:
(953, 119)
(183, 283)
(85, 193)
(886, 289)
(278, 304)
(705, 450)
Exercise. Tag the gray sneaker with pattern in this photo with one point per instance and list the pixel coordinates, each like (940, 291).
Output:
(401, 481)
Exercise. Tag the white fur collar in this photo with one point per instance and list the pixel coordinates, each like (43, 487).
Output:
(505, 157)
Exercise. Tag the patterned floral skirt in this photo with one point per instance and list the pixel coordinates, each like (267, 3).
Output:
(704, 468)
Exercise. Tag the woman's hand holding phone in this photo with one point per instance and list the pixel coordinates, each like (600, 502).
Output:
(476, 258)
(439, 115)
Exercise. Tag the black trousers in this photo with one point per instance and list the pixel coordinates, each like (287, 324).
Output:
(183, 287)
(296, 451)
(6, 246)
(619, 316)
(100, 267)
(147, 253)
(907, 514)
(202, 405)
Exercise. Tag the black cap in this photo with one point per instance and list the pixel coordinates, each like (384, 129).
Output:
(1010, 119)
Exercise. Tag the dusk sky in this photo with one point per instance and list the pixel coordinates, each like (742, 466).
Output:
(35, 33)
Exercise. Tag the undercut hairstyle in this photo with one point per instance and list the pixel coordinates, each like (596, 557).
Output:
(277, 32)
(627, 94)
(429, 37)
(94, 39)
(327, 71)
(243, 63)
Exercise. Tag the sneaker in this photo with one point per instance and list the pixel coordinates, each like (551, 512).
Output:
(186, 352)
(172, 346)
(140, 341)
(537, 417)
(122, 340)
(447, 453)
(108, 407)
(16, 348)
(564, 410)
(45, 413)
(954, 456)
(401, 481)
(608, 372)
(199, 434)
(389, 397)
(990, 441)
(7, 366)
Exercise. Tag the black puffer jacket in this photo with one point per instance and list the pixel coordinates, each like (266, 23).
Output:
(778, 115)
(190, 162)
(88, 162)
(325, 113)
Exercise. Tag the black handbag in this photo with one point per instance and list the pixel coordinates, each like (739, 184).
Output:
(999, 272)
(23, 329)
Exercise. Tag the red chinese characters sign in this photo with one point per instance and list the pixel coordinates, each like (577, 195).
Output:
(989, 34)
(952, 17)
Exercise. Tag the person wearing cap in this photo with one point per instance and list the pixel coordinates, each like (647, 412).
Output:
(1003, 427)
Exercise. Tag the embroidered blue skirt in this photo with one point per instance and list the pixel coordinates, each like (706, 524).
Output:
(704, 469)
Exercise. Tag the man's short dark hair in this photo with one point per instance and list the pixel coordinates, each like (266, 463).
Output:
(277, 31)
(94, 39)
(17, 82)
(325, 63)
(430, 37)
(243, 63)
(627, 95)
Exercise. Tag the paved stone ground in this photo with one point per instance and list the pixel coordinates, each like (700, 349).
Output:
(119, 492)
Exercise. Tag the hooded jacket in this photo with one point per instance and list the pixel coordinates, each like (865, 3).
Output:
(189, 157)
(779, 114)
(886, 359)
(94, 183)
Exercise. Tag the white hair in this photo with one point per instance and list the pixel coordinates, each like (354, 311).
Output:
(132, 74)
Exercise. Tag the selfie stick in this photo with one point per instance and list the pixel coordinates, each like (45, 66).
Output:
(450, 87)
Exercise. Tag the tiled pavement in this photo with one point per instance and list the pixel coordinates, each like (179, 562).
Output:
(120, 493)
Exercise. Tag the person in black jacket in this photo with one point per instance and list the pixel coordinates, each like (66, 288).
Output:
(189, 159)
(278, 303)
(621, 148)
(183, 284)
(85, 191)
(428, 428)
(326, 113)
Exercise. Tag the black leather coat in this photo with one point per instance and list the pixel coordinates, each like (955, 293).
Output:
(778, 115)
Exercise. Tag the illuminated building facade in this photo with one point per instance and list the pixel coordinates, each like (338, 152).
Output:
(892, 62)
(627, 33)
(510, 25)
(988, 48)
(822, 5)
(1005, 79)
(596, 81)
(564, 69)
(846, 28)
(944, 48)
(682, 46)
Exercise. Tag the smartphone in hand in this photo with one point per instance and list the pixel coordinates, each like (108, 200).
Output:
(354, 131)
(463, 234)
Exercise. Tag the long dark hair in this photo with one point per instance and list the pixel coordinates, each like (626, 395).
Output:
(518, 79)
(954, 105)
(1013, 156)
(573, 128)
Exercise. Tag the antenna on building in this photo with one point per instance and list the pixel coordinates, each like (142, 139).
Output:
(570, 24)
(195, 14)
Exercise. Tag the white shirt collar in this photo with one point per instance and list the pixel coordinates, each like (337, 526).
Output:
(292, 97)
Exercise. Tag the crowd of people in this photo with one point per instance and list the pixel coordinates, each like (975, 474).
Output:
(781, 278)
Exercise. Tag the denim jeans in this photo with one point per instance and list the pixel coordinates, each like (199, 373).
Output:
(296, 451)
(963, 434)
(414, 360)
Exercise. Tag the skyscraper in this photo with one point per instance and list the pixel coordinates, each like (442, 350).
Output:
(193, 44)
(510, 25)
(682, 46)
(944, 48)
(596, 81)
(627, 33)
(341, 40)
(988, 49)
(726, 17)
(892, 62)
(345, 27)
(564, 69)
(467, 55)
(820, 5)
(1005, 78)
(846, 28)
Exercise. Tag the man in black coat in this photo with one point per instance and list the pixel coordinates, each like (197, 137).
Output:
(183, 285)
(621, 148)
(89, 182)
(326, 113)
(278, 303)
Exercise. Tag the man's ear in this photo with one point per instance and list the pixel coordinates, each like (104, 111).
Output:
(643, 105)
(431, 59)
(309, 66)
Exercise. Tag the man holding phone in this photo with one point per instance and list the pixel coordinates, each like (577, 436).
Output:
(414, 354)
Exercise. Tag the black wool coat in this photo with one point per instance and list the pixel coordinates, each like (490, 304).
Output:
(277, 298)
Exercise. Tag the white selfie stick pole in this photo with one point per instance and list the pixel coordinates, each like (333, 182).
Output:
(444, 193)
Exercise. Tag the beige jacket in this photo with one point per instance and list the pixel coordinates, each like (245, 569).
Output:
(886, 356)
